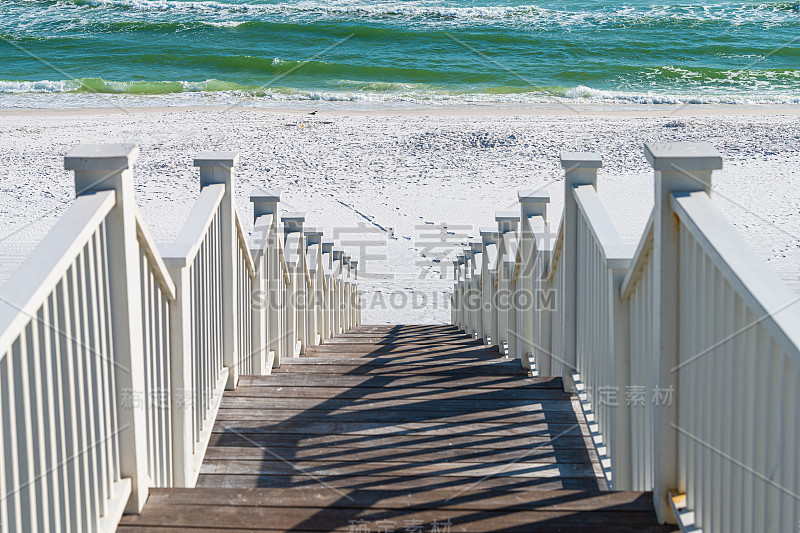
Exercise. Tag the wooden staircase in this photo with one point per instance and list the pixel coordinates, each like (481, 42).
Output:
(398, 429)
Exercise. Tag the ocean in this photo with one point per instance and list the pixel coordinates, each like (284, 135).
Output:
(150, 52)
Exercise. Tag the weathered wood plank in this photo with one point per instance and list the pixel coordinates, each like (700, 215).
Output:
(524, 395)
(458, 484)
(411, 382)
(566, 500)
(244, 449)
(300, 441)
(318, 519)
(324, 469)
(540, 403)
(504, 417)
(409, 428)
(407, 370)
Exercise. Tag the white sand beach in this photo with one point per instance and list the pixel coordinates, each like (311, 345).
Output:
(404, 188)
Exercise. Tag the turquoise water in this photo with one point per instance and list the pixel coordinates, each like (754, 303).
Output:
(398, 50)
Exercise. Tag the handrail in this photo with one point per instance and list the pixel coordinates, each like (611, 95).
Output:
(287, 278)
(187, 244)
(616, 252)
(777, 308)
(259, 243)
(154, 259)
(643, 250)
(38, 275)
(248, 258)
(556, 253)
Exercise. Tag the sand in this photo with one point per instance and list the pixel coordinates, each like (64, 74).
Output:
(403, 188)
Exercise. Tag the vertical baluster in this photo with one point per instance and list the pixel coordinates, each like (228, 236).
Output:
(94, 384)
(195, 361)
(790, 478)
(12, 500)
(84, 370)
(73, 487)
(727, 420)
(106, 457)
(717, 364)
(147, 362)
(109, 391)
(37, 448)
(737, 408)
(704, 372)
(686, 325)
(166, 351)
(24, 432)
(51, 425)
(775, 420)
(5, 429)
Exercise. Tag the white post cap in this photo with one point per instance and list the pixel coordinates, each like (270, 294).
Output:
(293, 217)
(216, 159)
(575, 160)
(101, 157)
(506, 216)
(265, 195)
(533, 196)
(700, 156)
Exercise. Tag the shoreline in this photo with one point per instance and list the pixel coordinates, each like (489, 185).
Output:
(454, 110)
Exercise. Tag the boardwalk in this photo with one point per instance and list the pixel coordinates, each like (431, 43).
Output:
(398, 428)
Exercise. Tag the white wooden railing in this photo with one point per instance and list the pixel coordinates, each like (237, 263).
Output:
(683, 349)
(115, 352)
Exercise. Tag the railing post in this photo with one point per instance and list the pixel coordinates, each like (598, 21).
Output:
(314, 301)
(105, 168)
(460, 267)
(579, 169)
(454, 295)
(488, 307)
(348, 287)
(338, 292)
(507, 224)
(679, 167)
(295, 301)
(265, 204)
(533, 203)
(465, 292)
(327, 260)
(218, 167)
(354, 288)
(474, 299)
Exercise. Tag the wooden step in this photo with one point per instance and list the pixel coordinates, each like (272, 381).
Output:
(386, 428)
(329, 509)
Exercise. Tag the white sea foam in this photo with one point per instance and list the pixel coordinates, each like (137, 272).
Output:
(43, 86)
(360, 91)
(736, 12)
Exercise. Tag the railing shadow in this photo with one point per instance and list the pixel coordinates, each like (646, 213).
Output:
(370, 443)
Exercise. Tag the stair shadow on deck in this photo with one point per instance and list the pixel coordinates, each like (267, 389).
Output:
(402, 433)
